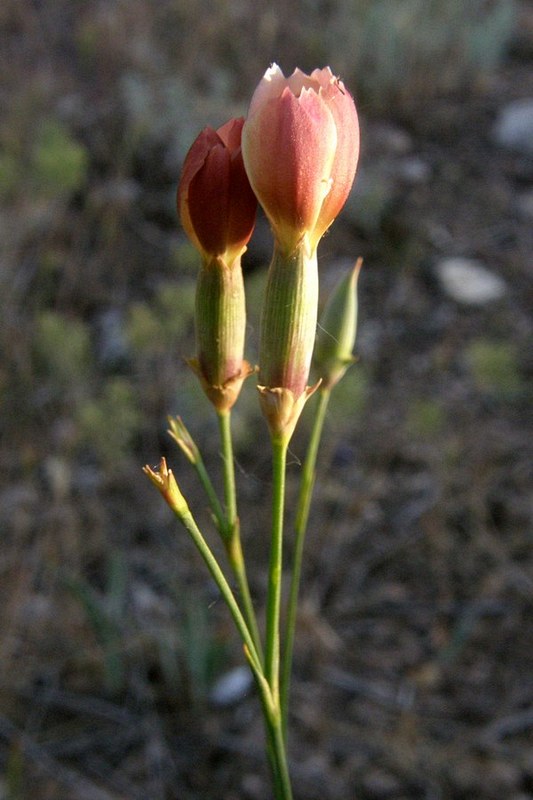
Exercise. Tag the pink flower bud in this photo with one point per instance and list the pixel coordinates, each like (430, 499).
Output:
(215, 202)
(300, 147)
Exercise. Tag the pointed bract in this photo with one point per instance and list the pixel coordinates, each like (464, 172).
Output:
(337, 330)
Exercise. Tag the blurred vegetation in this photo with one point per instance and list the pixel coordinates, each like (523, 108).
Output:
(408, 51)
(495, 367)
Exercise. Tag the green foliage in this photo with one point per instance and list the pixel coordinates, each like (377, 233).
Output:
(494, 367)
(425, 419)
(157, 327)
(108, 423)
(105, 615)
(406, 51)
(63, 348)
(201, 653)
(59, 163)
(185, 650)
(369, 206)
(349, 397)
(9, 174)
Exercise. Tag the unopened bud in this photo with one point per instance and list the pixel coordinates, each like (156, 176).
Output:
(215, 201)
(337, 330)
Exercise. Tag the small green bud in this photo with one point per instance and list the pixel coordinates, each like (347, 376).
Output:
(337, 330)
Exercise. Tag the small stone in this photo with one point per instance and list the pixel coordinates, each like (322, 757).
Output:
(525, 204)
(231, 687)
(379, 784)
(392, 139)
(58, 476)
(252, 787)
(501, 776)
(413, 169)
(468, 281)
(112, 343)
(514, 127)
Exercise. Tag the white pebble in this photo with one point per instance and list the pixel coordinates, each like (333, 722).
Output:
(469, 281)
(231, 687)
(514, 127)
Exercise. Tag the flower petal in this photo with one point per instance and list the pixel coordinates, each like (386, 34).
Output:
(288, 148)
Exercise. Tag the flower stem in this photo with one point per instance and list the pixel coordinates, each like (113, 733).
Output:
(272, 648)
(231, 535)
(214, 502)
(282, 781)
(270, 704)
(224, 422)
(213, 566)
(300, 526)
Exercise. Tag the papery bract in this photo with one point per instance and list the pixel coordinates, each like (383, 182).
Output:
(215, 201)
(300, 146)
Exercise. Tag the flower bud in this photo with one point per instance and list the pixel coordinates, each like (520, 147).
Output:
(217, 209)
(337, 330)
(215, 201)
(300, 147)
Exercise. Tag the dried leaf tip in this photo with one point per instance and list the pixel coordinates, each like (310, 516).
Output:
(163, 479)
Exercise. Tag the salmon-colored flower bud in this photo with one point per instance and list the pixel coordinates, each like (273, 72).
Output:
(300, 147)
(215, 202)
(337, 330)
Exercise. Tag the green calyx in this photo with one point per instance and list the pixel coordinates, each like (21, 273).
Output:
(220, 330)
(288, 330)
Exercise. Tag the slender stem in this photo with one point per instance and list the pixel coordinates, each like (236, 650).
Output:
(300, 526)
(282, 781)
(189, 522)
(214, 502)
(224, 422)
(272, 648)
(232, 537)
(271, 710)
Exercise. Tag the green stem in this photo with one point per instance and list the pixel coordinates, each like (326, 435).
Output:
(224, 422)
(300, 526)
(232, 537)
(214, 502)
(270, 705)
(282, 781)
(272, 648)
(213, 566)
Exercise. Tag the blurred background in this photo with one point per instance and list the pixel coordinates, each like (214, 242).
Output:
(120, 671)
